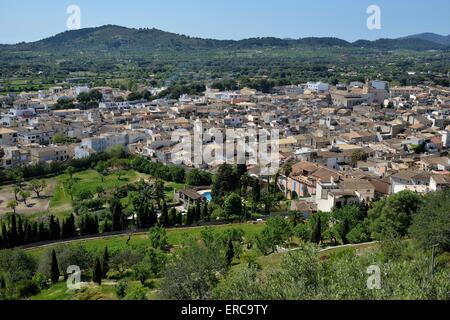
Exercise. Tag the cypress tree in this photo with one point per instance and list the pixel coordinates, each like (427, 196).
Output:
(64, 231)
(316, 236)
(116, 212)
(28, 233)
(198, 212)
(13, 232)
(179, 218)
(55, 230)
(20, 231)
(153, 217)
(345, 230)
(5, 237)
(71, 226)
(173, 217)
(34, 232)
(205, 212)
(105, 265)
(2, 283)
(230, 252)
(164, 219)
(42, 232)
(54, 270)
(190, 216)
(97, 274)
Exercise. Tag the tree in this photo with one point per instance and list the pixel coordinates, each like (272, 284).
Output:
(15, 175)
(344, 230)
(359, 155)
(58, 138)
(84, 195)
(230, 252)
(316, 236)
(2, 283)
(142, 271)
(117, 214)
(256, 193)
(392, 216)
(205, 212)
(276, 232)
(98, 272)
(13, 204)
(137, 293)
(70, 171)
(232, 205)
(225, 181)
(38, 186)
(431, 224)
(16, 191)
(124, 260)
(158, 238)
(190, 215)
(164, 219)
(199, 178)
(194, 270)
(54, 228)
(54, 270)
(24, 195)
(121, 289)
(105, 262)
(102, 169)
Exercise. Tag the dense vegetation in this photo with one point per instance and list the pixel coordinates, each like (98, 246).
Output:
(124, 58)
(230, 263)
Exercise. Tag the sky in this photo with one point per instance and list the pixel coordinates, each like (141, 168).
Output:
(25, 20)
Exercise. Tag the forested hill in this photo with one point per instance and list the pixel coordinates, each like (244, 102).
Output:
(118, 38)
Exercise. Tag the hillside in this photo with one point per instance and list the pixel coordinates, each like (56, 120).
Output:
(431, 37)
(109, 54)
(112, 37)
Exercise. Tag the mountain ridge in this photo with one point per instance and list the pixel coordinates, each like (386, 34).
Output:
(432, 37)
(113, 37)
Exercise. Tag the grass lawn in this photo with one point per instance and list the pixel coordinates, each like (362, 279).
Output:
(169, 188)
(90, 180)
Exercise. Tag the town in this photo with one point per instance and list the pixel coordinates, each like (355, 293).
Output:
(346, 144)
(190, 154)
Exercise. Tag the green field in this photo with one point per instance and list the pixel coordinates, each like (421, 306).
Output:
(175, 237)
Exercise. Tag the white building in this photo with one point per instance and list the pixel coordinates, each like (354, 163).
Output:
(318, 86)
(100, 143)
